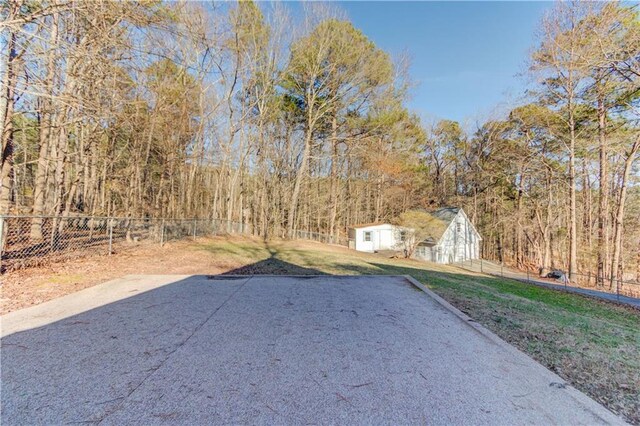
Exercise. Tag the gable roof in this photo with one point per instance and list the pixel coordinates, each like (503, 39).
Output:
(445, 217)
(435, 228)
(441, 219)
(446, 214)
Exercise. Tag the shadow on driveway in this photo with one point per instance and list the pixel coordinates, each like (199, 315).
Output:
(265, 350)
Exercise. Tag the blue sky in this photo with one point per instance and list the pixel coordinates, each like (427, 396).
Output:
(465, 56)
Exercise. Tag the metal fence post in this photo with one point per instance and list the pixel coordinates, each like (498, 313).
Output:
(618, 290)
(110, 236)
(527, 275)
(481, 265)
(162, 233)
(195, 227)
(54, 226)
(502, 269)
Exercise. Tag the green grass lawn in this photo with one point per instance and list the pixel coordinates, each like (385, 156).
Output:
(594, 345)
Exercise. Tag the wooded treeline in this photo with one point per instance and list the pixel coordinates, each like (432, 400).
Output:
(556, 183)
(240, 112)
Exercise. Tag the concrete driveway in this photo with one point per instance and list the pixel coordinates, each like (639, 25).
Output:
(270, 350)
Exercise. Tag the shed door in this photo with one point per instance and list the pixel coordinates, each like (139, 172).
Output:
(386, 239)
(377, 236)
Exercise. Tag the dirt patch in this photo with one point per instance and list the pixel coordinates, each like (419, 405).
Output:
(28, 287)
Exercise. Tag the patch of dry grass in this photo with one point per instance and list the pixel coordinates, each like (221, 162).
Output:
(32, 286)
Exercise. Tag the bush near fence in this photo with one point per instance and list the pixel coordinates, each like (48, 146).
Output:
(77, 236)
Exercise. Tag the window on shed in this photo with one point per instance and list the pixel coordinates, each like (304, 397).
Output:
(458, 227)
(367, 236)
(403, 236)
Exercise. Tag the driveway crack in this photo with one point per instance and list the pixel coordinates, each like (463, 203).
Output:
(181, 344)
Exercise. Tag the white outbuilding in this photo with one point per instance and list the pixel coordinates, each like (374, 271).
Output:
(374, 237)
(452, 239)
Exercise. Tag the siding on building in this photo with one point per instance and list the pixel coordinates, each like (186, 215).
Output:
(380, 237)
(460, 240)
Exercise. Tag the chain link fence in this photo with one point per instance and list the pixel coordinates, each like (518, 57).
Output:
(321, 238)
(585, 283)
(29, 241)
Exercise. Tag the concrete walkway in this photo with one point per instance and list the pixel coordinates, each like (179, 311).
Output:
(270, 350)
(494, 269)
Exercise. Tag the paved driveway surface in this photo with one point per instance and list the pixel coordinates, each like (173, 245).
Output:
(270, 350)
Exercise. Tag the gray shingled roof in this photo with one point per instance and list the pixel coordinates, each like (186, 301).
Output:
(446, 214)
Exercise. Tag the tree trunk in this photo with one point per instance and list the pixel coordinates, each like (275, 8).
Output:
(618, 225)
(603, 200)
(45, 135)
(293, 205)
(334, 178)
(573, 229)
(7, 109)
